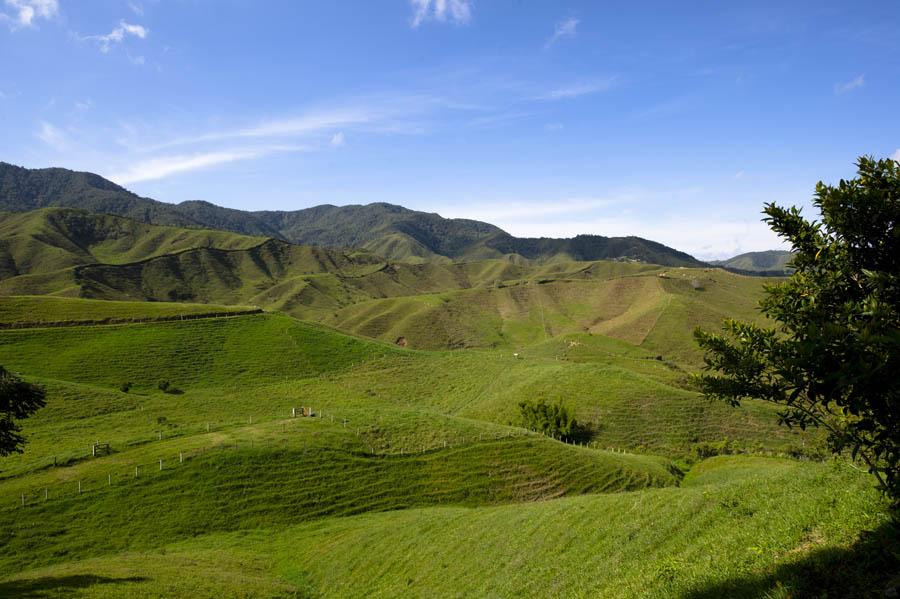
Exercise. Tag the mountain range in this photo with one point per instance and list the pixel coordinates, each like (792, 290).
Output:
(393, 232)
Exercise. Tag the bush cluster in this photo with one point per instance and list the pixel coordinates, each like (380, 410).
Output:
(551, 419)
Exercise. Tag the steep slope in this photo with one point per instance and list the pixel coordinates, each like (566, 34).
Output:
(770, 263)
(50, 239)
(394, 232)
(23, 189)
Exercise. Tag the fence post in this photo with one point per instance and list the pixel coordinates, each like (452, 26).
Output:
(109, 478)
(23, 499)
(46, 494)
(79, 487)
(160, 463)
(135, 471)
(180, 458)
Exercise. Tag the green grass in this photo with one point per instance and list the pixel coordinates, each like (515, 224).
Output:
(415, 479)
(38, 309)
(51, 239)
(200, 353)
(743, 527)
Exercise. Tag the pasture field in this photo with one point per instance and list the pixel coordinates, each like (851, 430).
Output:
(414, 477)
(19, 310)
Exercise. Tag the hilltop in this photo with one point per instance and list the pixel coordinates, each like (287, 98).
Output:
(771, 263)
(485, 303)
(391, 231)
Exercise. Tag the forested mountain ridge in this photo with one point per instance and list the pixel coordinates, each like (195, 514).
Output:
(394, 232)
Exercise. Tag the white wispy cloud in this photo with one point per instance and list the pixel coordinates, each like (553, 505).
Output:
(137, 8)
(566, 28)
(896, 155)
(165, 166)
(118, 34)
(316, 121)
(456, 11)
(314, 130)
(856, 82)
(578, 89)
(25, 12)
(52, 136)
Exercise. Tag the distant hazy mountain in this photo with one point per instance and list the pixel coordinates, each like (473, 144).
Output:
(771, 262)
(391, 231)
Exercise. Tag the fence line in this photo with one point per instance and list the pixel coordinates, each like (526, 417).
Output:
(40, 324)
(173, 459)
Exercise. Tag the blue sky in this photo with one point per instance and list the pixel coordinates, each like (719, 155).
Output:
(674, 121)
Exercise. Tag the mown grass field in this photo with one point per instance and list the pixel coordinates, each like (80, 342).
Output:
(415, 478)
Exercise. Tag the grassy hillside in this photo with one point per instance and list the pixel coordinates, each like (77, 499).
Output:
(43, 241)
(414, 478)
(772, 262)
(655, 309)
(485, 304)
(22, 310)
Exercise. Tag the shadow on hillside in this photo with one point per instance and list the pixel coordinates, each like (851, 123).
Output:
(866, 569)
(57, 586)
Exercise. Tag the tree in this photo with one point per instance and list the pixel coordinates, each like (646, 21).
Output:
(18, 400)
(551, 419)
(833, 359)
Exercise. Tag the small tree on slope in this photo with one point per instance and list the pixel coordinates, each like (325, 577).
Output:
(833, 360)
(18, 400)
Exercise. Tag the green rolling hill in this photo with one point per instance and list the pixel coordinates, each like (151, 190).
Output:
(771, 263)
(414, 478)
(189, 349)
(434, 305)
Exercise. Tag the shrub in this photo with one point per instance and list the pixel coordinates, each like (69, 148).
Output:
(551, 419)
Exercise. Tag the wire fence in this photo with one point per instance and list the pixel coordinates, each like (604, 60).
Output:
(43, 324)
(167, 460)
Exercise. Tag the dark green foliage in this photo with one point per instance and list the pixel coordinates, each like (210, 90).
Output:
(555, 420)
(393, 231)
(164, 386)
(126, 386)
(593, 247)
(18, 400)
(834, 357)
(708, 449)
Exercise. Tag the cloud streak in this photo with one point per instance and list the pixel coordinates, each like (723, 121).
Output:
(855, 83)
(307, 124)
(117, 35)
(52, 136)
(578, 89)
(442, 11)
(566, 28)
(162, 167)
